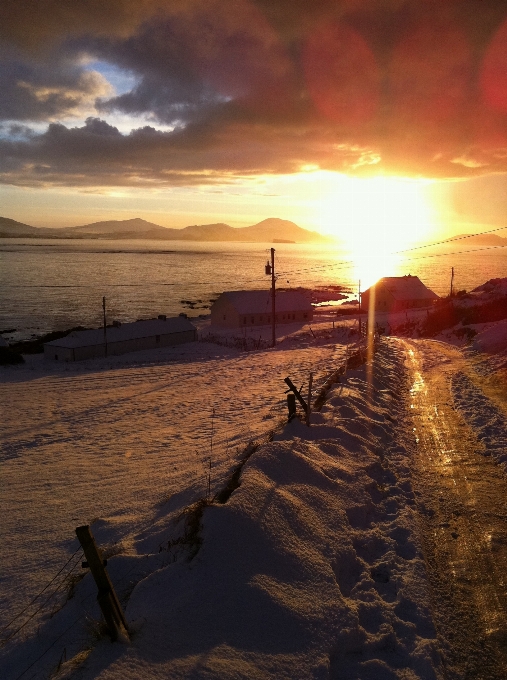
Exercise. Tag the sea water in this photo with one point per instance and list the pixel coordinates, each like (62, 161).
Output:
(59, 283)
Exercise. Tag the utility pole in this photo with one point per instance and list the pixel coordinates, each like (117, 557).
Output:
(452, 279)
(359, 306)
(105, 332)
(270, 269)
(273, 306)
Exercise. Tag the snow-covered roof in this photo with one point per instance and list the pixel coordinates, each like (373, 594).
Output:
(406, 288)
(259, 301)
(127, 331)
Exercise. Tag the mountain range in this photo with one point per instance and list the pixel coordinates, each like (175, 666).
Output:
(269, 230)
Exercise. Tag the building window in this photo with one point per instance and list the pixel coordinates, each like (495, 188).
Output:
(253, 319)
(224, 317)
(157, 338)
(244, 319)
(260, 319)
(293, 316)
(269, 319)
(56, 356)
(305, 315)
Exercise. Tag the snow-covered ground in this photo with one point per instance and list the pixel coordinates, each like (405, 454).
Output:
(312, 568)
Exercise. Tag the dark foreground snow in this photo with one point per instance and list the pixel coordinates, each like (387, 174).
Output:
(311, 569)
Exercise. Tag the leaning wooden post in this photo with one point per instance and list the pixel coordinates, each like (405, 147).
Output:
(294, 389)
(106, 598)
(291, 405)
(309, 401)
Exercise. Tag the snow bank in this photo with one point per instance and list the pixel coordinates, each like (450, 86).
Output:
(311, 569)
(489, 422)
(493, 340)
(492, 288)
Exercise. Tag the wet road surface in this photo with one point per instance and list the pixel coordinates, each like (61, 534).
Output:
(462, 496)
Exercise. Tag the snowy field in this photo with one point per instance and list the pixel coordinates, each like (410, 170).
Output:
(115, 440)
(312, 568)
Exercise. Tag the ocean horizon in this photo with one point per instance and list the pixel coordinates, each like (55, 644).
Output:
(51, 285)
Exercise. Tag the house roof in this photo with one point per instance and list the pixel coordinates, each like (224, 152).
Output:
(406, 288)
(259, 301)
(127, 331)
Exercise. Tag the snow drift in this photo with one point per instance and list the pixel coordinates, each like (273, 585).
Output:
(311, 569)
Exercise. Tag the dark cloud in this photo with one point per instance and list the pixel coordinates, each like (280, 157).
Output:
(188, 62)
(98, 154)
(46, 90)
(37, 25)
(371, 86)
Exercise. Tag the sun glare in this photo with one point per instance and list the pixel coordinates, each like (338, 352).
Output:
(375, 218)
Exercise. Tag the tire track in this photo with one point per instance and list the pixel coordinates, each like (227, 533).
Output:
(463, 512)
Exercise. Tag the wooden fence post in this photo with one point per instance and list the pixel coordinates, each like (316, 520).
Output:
(294, 389)
(291, 405)
(106, 598)
(309, 401)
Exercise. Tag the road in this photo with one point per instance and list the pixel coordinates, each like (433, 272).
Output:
(463, 508)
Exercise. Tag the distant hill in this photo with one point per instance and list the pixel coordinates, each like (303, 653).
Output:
(268, 231)
(482, 239)
(273, 227)
(10, 228)
(135, 226)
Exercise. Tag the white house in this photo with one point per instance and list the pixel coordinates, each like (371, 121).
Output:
(121, 338)
(246, 308)
(397, 293)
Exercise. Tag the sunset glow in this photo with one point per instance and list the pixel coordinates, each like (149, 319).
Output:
(253, 339)
(375, 218)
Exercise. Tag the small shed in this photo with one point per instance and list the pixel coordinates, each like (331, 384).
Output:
(247, 308)
(398, 293)
(121, 338)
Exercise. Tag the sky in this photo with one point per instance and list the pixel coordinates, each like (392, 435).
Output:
(338, 115)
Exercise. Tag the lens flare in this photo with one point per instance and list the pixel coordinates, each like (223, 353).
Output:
(375, 218)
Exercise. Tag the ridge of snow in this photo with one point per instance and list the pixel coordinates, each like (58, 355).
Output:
(487, 419)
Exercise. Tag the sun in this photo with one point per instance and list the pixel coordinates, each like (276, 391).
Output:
(375, 218)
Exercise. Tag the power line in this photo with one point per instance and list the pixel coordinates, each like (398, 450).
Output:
(351, 263)
(50, 646)
(40, 593)
(15, 632)
(341, 264)
(448, 240)
(458, 252)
